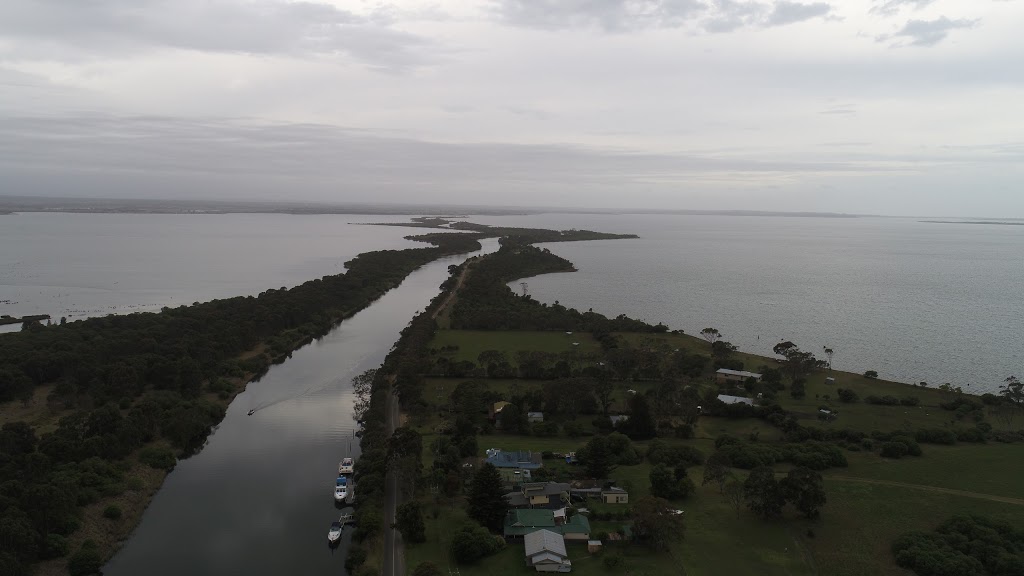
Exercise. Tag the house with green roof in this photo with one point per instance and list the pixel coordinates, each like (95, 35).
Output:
(522, 521)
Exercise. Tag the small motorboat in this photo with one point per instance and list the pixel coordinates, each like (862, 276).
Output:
(251, 412)
(347, 466)
(334, 534)
(340, 489)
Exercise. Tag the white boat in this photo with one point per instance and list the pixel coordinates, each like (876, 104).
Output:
(334, 534)
(340, 489)
(347, 466)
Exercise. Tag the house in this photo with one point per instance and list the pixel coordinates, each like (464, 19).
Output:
(521, 459)
(539, 495)
(735, 399)
(545, 551)
(495, 409)
(614, 495)
(726, 376)
(593, 546)
(522, 521)
(534, 417)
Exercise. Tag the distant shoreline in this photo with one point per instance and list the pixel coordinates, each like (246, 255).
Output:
(16, 204)
(983, 222)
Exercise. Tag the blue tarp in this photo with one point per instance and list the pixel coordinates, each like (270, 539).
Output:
(341, 481)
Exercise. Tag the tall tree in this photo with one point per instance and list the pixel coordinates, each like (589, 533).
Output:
(763, 494)
(670, 484)
(805, 489)
(409, 521)
(603, 389)
(641, 424)
(796, 363)
(487, 504)
(711, 335)
(734, 494)
(829, 353)
(597, 458)
(716, 470)
(656, 523)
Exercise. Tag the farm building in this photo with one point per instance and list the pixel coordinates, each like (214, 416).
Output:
(726, 376)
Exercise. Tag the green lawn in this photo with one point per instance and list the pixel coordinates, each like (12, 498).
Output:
(472, 342)
(857, 526)
(860, 522)
(996, 469)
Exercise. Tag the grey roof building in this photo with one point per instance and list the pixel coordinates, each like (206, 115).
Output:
(545, 551)
(539, 495)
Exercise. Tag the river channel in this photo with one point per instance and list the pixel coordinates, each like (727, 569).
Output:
(258, 499)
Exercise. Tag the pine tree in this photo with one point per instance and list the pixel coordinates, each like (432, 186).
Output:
(487, 503)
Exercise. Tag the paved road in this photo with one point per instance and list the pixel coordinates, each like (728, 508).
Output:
(394, 554)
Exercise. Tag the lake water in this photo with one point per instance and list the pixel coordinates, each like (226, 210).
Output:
(258, 499)
(80, 265)
(915, 301)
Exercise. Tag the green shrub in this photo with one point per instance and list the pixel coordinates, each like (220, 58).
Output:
(894, 450)
(612, 561)
(85, 562)
(112, 512)
(159, 457)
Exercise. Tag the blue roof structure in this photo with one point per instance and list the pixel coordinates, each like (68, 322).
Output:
(522, 459)
(341, 481)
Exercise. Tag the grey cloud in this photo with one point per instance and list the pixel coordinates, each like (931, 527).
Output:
(261, 27)
(610, 15)
(630, 15)
(891, 7)
(792, 12)
(156, 156)
(730, 15)
(926, 32)
(839, 110)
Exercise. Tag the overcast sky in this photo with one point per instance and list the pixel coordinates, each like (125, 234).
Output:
(869, 106)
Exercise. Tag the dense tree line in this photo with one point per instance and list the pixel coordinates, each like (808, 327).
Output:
(963, 546)
(137, 380)
(487, 303)
(115, 356)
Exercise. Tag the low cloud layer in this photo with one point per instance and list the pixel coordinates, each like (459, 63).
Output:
(117, 27)
(631, 15)
(875, 107)
(927, 32)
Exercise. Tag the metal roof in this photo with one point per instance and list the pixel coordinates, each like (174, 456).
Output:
(542, 541)
(735, 399)
(741, 373)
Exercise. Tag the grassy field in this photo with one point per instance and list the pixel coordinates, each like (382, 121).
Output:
(996, 469)
(861, 520)
(870, 503)
(472, 342)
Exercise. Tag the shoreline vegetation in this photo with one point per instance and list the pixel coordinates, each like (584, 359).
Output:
(857, 463)
(983, 222)
(120, 398)
(96, 412)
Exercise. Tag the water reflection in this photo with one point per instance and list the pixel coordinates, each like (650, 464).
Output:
(258, 498)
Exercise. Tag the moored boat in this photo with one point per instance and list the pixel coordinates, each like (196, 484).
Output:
(347, 466)
(334, 534)
(340, 489)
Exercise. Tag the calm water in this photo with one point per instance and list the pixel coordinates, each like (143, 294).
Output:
(79, 265)
(258, 499)
(914, 301)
